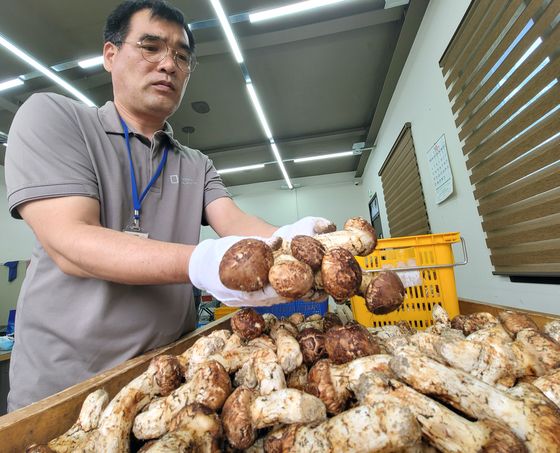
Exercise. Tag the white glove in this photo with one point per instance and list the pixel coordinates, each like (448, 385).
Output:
(308, 226)
(204, 268)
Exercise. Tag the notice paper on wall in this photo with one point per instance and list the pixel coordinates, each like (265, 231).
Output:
(440, 169)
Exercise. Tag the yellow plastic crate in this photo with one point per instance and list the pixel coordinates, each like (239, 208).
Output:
(438, 283)
(220, 312)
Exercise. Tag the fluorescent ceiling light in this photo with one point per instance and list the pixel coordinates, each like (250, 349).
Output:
(10, 84)
(227, 30)
(236, 169)
(88, 63)
(324, 156)
(46, 71)
(290, 9)
(259, 110)
(281, 164)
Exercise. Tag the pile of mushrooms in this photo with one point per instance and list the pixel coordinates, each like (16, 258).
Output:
(309, 268)
(477, 383)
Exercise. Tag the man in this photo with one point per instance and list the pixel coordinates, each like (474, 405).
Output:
(116, 204)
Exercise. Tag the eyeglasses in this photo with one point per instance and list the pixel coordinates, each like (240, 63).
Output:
(155, 50)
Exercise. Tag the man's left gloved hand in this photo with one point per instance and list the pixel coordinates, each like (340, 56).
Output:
(308, 226)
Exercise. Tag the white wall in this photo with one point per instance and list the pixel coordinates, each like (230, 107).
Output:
(334, 197)
(421, 99)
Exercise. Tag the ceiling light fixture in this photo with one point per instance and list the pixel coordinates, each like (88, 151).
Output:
(10, 84)
(259, 110)
(90, 62)
(325, 156)
(47, 72)
(290, 9)
(227, 30)
(281, 164)
(236, 169)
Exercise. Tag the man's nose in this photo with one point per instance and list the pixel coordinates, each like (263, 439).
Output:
(168, 63)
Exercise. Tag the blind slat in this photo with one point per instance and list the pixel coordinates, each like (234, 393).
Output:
(512, 176)
(450, 56)
(543, 131)
(545, 229)
(409, 204)
(464, 98)
(393, 188)
(535, 184)
(538, 270)
(404, 162)
(532, 253)
(468, 65)
(548, 46)
(540, 81)
(544, 78)
(534, 208)
(522, 121)
(417, 227)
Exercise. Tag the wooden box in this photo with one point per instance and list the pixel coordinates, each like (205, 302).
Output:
(48, 418)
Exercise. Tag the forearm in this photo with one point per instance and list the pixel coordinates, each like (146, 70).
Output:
(97, 252)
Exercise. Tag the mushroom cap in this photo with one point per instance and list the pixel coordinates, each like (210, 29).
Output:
(281, 440)
(341, 273)
(320, 384)
(308, 250)
(215, 385)
(501, 439)
(236, 418)
(331, 320)
(290, 278)
(168, 373)
(473, 322)
(369, 236)
(346, 343)
(245, 265)
(35, 448)
(385, 293)
(189, 414)
(312, 344)
(296, 318)
(514, 322)
(297, 379)
(247, 323)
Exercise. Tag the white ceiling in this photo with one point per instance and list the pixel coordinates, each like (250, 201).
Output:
(324, 78)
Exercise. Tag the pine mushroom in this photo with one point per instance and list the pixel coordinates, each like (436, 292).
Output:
(247, 323)
(244, 412)
(312, 344)
(446, 430)
(331, 382)
(383, 291)
(195, 428)
(533, 420)
(210, 386)
(287, 347)
(381, 427)
(550, 386)
(349, 342)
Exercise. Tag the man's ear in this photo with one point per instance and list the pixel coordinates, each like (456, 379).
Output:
(109, 52)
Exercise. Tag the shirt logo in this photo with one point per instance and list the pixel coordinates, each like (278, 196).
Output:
(175, 179)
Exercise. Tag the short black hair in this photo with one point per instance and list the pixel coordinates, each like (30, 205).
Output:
(118, 22)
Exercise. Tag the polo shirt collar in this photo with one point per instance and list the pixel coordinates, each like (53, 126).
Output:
(109, 118)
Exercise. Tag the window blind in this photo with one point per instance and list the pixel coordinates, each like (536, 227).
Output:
(501, 72)
(402, 188)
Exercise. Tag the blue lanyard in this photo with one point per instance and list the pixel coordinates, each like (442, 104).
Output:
(137, 201)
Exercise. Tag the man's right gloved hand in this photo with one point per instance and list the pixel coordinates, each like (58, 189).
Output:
(204, 268)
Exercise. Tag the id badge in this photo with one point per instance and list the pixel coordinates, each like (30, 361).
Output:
(136, 231)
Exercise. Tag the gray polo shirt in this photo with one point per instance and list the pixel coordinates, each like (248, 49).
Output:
(70, 328)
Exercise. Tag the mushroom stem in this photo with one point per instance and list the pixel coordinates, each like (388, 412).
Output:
(244, 412)
(113, 433)
(534, 421)
(446, 430)
(550, 386)
(331, 382)
(210, 386)
(287, 347)
(195, 428)
(382, 427)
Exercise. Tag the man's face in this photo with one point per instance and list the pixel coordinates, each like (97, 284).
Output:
(147, 89)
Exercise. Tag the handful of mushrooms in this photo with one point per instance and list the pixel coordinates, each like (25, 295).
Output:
(477, 383)
(311, 267)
